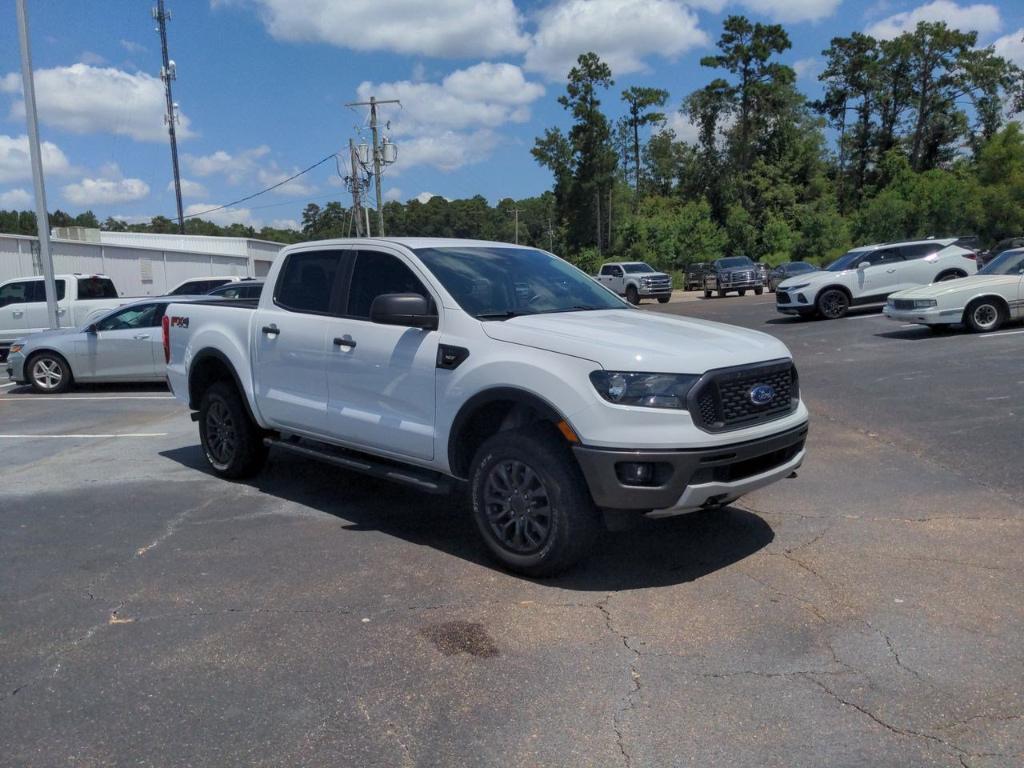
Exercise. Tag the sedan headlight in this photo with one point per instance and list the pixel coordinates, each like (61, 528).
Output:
(925, 303)
(649, 390)
(15, 348)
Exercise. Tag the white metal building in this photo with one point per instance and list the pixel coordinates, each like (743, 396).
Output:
(140, 264)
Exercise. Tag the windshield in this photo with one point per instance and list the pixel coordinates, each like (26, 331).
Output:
(1006, 263)
(636, 269)
(498, 283)
(848, 260)
(734, 261)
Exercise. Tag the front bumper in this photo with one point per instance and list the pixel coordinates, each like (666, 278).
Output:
(928, 316)
(688, 480)
(723, 285)
(16, 367)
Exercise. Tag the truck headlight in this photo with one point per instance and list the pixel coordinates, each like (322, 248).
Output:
(649, 390)
(15, 348)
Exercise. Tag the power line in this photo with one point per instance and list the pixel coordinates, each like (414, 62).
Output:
(263, 191)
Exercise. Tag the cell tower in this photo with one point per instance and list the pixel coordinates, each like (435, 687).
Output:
(167, 74)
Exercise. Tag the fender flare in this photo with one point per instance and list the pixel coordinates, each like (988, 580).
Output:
(209, 353)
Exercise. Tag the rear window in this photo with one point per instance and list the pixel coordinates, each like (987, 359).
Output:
(96, 288)
(306, 282)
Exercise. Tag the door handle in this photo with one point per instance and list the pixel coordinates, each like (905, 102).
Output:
(271, 330)
(141, 336)
(890, 271)
(18, 313)
(350, 343)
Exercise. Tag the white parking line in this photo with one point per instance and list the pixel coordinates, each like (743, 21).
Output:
(9, 384)
(59, 398)
(997, 333)
(122, 434)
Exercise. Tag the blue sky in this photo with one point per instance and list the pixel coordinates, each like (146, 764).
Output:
(262, 86)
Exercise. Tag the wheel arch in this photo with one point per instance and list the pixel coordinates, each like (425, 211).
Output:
(489, 412)
(47, 350)
(209, 366)
(834, 286)
(1004, 305)
(950, 271)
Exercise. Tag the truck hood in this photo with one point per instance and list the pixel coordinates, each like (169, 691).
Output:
(634, 340)
(971, 284)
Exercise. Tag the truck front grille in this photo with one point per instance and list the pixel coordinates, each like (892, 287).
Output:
(723, 399)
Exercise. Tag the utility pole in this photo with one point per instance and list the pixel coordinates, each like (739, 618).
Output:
(168, 73)
(42, 218)
(516, 212)
(355, 183)
(378, 156)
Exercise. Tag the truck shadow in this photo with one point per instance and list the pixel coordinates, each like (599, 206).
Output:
(655, 553)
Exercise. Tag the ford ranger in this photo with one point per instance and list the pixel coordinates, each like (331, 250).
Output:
(492, 368)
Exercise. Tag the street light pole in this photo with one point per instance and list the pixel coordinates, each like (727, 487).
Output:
(42, 218)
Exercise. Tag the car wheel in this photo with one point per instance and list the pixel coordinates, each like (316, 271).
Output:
(833, 304)
(949, 276)
(232, 442)
(707, 293)
(721, 294)
(743, 291)
(49, 373)
(632, 295)
(984, 315)
(663, 299)
(530, 501)
(758, 291)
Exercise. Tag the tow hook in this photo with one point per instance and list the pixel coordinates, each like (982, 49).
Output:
(792, 475)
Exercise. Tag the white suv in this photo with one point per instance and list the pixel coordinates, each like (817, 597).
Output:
(867, 275)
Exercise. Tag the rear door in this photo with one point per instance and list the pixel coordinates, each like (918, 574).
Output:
(919, 267)
(13, 303)
(381, 377)
(290, 345)
(126, 345)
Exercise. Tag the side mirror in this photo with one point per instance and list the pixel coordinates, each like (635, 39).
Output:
(92, 329)
(864, 265)
(408, 309)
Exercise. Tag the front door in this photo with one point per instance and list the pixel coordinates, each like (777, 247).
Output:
(14, 299)
(381, 377)
(291, 342)
(125, 345)
(36, 314)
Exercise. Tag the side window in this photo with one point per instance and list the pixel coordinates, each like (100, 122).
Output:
(141, 316)
(883, 256)
(920, 250)
(95, 288)
(616, 271)
(606, 270)
(378, 273)
(14, 293)
(306, 280)
(37, 291)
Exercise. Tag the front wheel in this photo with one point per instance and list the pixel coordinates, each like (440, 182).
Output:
(721, 294)
(833, 304)
(49, 373)
(707, 293)
(743, 291)
(758, 291)
(984, 315)
(232, 442)
(530, 501)
(663, 299)
(632, 295)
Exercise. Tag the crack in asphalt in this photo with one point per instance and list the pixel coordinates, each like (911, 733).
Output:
(628, 702)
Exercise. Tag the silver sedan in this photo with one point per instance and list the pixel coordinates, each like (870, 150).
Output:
(121, 345)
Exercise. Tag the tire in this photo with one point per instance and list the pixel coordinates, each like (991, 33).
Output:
(232, 442)
(946, 277)
(771, 288)
(832, 304)
(632, 295)
(721, 294)
(984, 315)
(535, 466)
(707, 293)
(743, 291)
(758, 291)
(49, 373)
(663, 299)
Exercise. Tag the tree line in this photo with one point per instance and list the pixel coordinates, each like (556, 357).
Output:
(911, 137)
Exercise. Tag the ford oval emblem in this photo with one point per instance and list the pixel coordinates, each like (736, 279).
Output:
(762, 394)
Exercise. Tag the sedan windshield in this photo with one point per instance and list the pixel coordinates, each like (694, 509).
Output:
(734, 261)
(796, 267)
(636, 269)
(848, 260)
(499, 283)
(1006, 263)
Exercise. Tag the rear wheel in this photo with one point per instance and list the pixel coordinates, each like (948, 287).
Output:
(984, 315)
(833, 304)
(946, 277)
(663, 299)
(530, 501)
(743, 291)
(232, 442)
(707, 293)
(632, 295)
(49, 373)
(758, 291)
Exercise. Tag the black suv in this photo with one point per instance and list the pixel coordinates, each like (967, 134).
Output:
(693, 280)
(735, 273)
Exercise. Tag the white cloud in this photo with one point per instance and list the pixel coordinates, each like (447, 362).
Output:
(86, 99)
(793, 10)
(622, 32)
(426, 197)
(981, 18)
(807, 69)
(448, 150)
(392, 194)
(15, 198)
(15, 164)
(1011, 47)
(92, 59)
(225, 216)
(267, 177)
(189, 188)
(109, 187)
(285, 224)
(449, 29)
(234, 167)
(132, 47)
(683, 128)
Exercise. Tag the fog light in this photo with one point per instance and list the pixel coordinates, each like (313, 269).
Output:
(635, 473)
(801, 298)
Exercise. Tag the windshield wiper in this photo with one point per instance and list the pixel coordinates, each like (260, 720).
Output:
(500, 315)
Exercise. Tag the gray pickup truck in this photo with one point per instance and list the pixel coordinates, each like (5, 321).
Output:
(636, 281)
(735, 273)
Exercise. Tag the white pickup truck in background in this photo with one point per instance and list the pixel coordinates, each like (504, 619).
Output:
(636, 281)
(493, 368)
(79, 297)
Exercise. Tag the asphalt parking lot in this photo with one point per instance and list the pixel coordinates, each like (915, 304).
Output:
(866, 613)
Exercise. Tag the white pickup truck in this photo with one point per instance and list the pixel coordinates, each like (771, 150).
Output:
(636, 281)
(79, 297)
(494, 368)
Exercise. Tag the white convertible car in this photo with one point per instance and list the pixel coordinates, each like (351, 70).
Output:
(982, 302)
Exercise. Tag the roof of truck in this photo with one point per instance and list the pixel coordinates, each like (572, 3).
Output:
(408, 242)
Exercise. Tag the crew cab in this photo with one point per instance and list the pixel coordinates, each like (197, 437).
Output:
(491, 368)
(636, 281)
(735, 273)
(867, 275)
(23, 303)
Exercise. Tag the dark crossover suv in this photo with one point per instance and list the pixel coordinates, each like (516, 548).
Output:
(784, 271)
(693, 280)
(735, 273)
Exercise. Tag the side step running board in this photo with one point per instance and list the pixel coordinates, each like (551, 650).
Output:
(424, 479)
